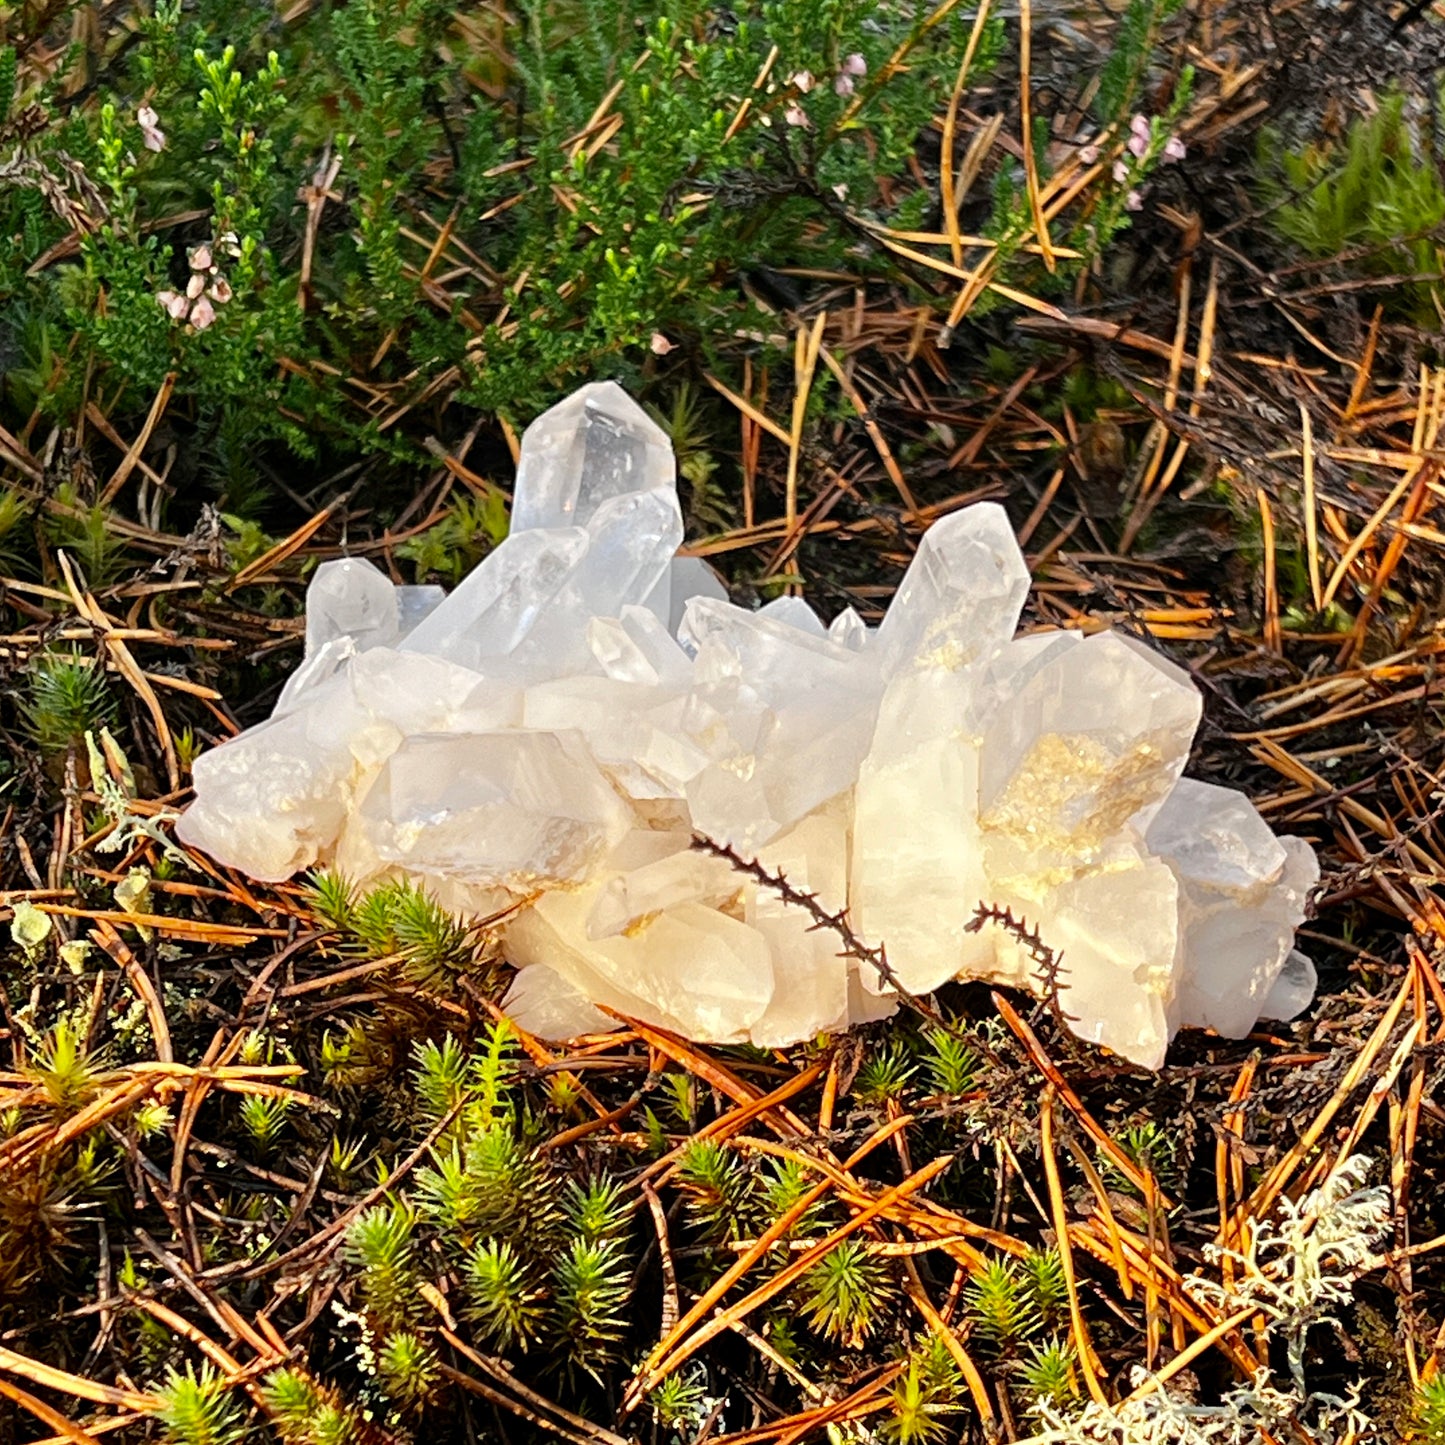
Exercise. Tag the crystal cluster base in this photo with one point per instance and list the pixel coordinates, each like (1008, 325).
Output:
(545, 741)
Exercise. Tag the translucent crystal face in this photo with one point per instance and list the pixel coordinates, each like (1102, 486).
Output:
(960, 600)
(546, 742)
(350, 598)
(595, 446)
(1097, 736)
(518, 810)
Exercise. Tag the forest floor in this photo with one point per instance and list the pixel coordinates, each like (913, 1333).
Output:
(259, 1168)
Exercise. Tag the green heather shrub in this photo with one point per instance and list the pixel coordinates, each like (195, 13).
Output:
(321, 227)
(1379, 192)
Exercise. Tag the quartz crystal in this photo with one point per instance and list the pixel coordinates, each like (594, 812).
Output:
(543, 746)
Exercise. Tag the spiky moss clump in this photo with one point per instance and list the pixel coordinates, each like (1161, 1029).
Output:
(399, 919)
(1430, 1410)
(66, 697)
(199, 1408)
(1380, 194)
(546, 1261)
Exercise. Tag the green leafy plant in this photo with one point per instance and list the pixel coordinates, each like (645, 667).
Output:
(718, 1188)
(1151, 1147)
(65, 1068)
(409, 1370)
(67, 697)
(884, 1074)
(504, 1296)
(399, 918)
(1379, 193)
(927, 1397)
(305, 1412)
(264, 1119)
(332, 899)
(1047, 1286)
(198, 1408)
(446, 551)
(679, 1402)
(591, 1284)
(951, 1065)
(597, 1209)
(1049, 1373)
(846, 1293)
(381, 1244)
(1001, 1305)
(15, 511)
(1430, 1410)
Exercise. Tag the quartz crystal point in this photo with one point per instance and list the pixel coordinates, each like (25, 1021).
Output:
(351, 598)
(542, 745)
(961, 597)
(352, 607)
(1241, 897)
(785, 712)
(594, 447)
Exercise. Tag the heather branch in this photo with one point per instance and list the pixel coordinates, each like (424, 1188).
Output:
(1049, 971)
(874, 955)
(853, 946)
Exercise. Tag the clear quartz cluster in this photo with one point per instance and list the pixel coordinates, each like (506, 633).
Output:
(544, 743)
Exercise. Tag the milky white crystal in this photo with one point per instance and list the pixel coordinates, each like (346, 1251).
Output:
(544, 743)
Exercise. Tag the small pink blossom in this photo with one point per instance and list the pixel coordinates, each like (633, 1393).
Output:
(151, 132)
(1121, 172)
(802, 81)
(855, 64)
(841, 190)
(844, 83)
(230, 244)
(660, 345)
(195, 286)
(202, 314)
(1133, 201)
(1140, 125)
(201, 259)
(175, 304)
(219, 290)
(796, 115)
(1138, 145)
(1088, 154)
(1173, 150)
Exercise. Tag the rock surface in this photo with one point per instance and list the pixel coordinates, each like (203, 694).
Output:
(546, 740)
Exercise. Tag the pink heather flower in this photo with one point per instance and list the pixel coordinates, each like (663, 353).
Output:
(660, 345)
(175, 305)
(202, 314)
(844, 83)
(219, 291)
(201, 259)
(1173, 150)
(151, 132)
(1121, 172)
(796, 115)
(230, 244)
(1133, 201)
(1140, 126)
(195, 286)
(803, 81)
(855, 65)
(1088, 154)
(1138, 144)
